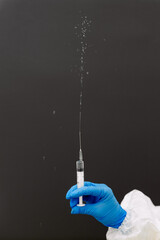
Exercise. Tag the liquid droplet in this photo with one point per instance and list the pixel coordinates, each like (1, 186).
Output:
(81, 32)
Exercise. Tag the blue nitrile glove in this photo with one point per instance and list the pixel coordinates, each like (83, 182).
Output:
(100, 203)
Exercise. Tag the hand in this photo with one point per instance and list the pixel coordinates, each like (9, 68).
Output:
(100, 203)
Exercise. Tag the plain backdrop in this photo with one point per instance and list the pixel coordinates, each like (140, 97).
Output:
(39, 107)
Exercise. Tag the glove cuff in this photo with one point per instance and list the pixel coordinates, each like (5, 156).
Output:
(121, 218)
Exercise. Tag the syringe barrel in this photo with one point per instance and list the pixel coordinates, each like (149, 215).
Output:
(80, 166)
(80, 179)
(80, 173)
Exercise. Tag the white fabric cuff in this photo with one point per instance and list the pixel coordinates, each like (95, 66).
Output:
(141, 221)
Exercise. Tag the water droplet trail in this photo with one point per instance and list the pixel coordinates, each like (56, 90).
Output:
(82, 29)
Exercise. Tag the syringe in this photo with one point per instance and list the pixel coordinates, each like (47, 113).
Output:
(80, 175)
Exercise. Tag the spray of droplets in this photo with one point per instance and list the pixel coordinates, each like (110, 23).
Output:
(82, 30)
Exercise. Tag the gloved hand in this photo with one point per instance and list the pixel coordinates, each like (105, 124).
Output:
(100, 203)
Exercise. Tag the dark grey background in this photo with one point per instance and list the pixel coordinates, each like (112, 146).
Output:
(39, 104)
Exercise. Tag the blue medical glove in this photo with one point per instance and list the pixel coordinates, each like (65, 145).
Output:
(100, 203)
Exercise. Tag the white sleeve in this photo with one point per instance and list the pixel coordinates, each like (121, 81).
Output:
(142, 221)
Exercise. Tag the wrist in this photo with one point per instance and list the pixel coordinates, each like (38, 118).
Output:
(121, 216)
